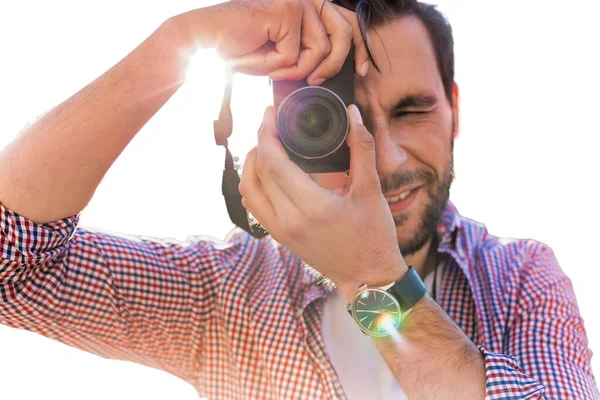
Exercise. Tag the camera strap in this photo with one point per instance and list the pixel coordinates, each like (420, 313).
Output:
(223, 127)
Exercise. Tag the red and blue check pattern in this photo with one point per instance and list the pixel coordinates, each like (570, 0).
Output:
(241, 319)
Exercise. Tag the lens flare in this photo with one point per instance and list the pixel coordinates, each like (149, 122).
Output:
(388, 323)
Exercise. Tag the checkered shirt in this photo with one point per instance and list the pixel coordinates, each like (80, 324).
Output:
(241, 318)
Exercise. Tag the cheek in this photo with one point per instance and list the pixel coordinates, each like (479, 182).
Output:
(429, 142)
(331, 181)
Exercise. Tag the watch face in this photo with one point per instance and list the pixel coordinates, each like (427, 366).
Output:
(377, 312)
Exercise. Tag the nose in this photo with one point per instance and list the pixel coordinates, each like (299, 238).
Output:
(389, 155)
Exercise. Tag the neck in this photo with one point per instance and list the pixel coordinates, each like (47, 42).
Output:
(424, 259)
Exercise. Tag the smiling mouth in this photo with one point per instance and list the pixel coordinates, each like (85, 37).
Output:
(401, 196)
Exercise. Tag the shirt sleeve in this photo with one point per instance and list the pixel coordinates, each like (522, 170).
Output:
(131, 298)
(549, 357)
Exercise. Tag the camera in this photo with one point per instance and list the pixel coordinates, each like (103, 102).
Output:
(313, 121)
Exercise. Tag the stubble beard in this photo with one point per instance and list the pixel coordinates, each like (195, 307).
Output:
(438, 193)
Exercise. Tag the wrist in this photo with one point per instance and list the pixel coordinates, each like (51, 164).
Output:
(194, 29)
(378, 277)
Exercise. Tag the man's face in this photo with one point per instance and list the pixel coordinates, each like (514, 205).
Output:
(410, 117)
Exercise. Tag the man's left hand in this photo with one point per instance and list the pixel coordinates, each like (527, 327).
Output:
(347, 235)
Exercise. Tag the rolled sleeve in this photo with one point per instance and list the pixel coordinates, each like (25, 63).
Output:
(141, 299)
(24, 243)
(506, 380)
(545, 354)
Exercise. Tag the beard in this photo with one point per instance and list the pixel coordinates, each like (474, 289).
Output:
(438, 193)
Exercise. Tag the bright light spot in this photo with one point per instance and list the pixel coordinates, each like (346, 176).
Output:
(203, 91)
(388, 322)
(205, 82)
(203, 64)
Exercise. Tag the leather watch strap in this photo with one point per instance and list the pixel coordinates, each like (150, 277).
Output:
(409, 289)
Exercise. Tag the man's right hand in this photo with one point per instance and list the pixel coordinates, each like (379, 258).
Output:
(49, 171)
(286, 39)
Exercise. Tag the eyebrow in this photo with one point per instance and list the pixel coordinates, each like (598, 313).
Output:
(415, 101)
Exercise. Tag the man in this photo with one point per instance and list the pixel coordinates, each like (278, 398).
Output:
(249, 319)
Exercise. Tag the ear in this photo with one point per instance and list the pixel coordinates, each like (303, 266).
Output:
(455, 110)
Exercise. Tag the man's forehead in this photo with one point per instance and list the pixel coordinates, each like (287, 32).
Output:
(404, 53)
(401, 41)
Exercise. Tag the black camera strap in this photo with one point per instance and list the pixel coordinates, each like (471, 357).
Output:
(223, 127)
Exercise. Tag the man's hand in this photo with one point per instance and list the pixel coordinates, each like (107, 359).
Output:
(286, 39)
(347, 235)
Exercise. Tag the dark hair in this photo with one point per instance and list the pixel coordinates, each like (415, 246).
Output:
(374, 13)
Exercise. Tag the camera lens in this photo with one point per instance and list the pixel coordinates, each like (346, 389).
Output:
(312, 122)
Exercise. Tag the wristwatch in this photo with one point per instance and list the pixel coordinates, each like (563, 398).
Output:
(379, 311)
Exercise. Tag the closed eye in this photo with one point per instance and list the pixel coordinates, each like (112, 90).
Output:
(401, 114)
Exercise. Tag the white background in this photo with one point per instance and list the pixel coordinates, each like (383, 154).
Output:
(526, 160)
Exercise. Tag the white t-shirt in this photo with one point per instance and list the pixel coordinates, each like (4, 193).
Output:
(362, 371)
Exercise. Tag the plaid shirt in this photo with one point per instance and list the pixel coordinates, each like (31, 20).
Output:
(241, 319)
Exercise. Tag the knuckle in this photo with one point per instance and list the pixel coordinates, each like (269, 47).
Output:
(294, 230)
(292, 5)
(268, 172)
(245, 203)
(251, 156)
(272, 170)
(325, 48)
(243, 187)
(289, 59)
(365, 139)
(335, 67)
(313, 213)
(260, 169)
(345, 31)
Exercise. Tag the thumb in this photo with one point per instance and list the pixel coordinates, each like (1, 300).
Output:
(363, 169)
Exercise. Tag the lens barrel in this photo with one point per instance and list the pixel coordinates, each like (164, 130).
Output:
(313, 122)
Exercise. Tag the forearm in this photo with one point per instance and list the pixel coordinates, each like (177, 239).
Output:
(51, 170)
(432, 358)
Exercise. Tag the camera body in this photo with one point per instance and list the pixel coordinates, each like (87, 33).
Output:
(313, 121)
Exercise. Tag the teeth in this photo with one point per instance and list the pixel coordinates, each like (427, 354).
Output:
(402, 196)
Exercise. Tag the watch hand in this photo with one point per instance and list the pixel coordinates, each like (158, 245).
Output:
(375, 312)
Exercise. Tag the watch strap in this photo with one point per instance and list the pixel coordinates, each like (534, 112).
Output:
(409, 289)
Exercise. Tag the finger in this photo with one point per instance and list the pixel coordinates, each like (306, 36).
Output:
(253, 63)
(363, 168)
(315, 47)
(242, 69)
(268, 170)
(284, 49)
(281, 176)
(254, 198)
(339, 31)
(361, 55)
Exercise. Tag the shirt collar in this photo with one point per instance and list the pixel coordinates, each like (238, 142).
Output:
(451, 241)
(448, 227)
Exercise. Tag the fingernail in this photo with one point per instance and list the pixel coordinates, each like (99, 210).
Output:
(355, 115)
(364, 68)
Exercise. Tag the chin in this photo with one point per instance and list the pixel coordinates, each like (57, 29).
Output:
(415, 228)
(408, 221)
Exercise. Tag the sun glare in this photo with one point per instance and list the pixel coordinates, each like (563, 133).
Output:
(205, 82)
(205, 63)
